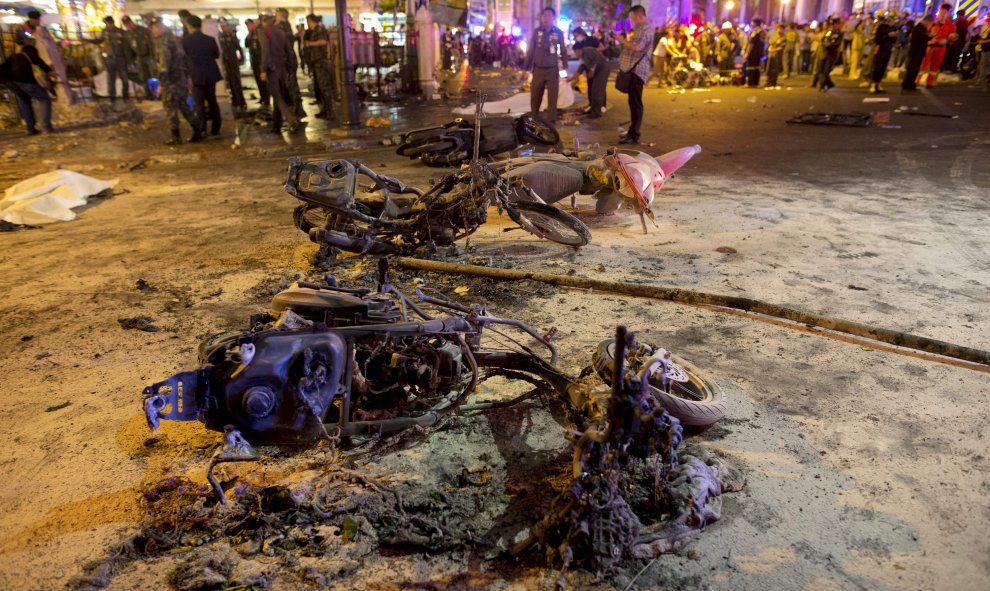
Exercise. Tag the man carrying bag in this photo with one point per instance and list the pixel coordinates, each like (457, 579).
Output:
(634, 69)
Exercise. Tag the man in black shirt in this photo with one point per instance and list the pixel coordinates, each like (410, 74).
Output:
(917, 48)
(202, 53)
(17, 74)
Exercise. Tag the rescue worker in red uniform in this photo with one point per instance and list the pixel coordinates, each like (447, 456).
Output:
(942, 32)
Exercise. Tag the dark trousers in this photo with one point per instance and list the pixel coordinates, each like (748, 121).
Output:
(828, 64)
(205, 96)
(880, 61)
(635, 106)
(911, 71)
(117, 69)
(597, 86)
(774, 65)
(263, 95)
(232, 76)
(278, 88)
(753, 72)
(26, 93)
(544, 79)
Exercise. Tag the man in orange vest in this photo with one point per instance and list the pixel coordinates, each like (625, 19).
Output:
(942, 32)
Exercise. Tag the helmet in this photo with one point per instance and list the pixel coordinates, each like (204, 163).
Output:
(640, 176)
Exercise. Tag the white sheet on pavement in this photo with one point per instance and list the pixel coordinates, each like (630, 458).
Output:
(518, 104)
(49, 197)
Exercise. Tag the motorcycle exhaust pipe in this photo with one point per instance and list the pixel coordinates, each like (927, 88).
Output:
(388, 425)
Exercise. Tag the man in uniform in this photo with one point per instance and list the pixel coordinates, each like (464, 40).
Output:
(173, 81)
(142, 49)
(831, 45)
(277, 60)
(917, 47)
(754, 53)
(316, 45)
(545, 57)
(884, 37)
(595, 67)
(635, 59)
(118, 55)
(253, 42)
(232, 57)
(202, 53)
(942, 33)
(282, 22)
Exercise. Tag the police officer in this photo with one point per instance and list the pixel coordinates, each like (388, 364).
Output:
(831, 44)
(884, 37)
(316, 43)
(232, 57)
(546, 55)
(118, 55)
(139, 38)
(173, 82)
(277, 61)
(253, 43)
(282, 22)
(596, 67)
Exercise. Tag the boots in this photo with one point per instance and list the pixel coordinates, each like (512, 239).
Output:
(174, 139)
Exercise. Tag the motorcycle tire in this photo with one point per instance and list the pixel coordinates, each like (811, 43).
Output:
(435, 147)
(697, 403)
(307, 216)
(550, 223)
(534, 130)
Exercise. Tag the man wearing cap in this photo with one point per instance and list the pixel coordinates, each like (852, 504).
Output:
(595, 66)
(545, 58)
(232, 57)
(173, 82)
(139, 39)
(202, 52)
(277, 60)
(316, 44)
(282, 22)
(118, 55)
(253, 42)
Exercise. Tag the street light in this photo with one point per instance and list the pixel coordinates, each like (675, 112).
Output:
(729, 5)
(783, 3)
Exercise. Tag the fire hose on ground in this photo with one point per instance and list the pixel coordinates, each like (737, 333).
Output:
(871, 336)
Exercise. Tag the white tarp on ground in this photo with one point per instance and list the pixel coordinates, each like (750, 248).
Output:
(518, 104)
(49, 197)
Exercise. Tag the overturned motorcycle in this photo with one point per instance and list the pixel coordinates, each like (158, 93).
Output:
(390, 217)
(451, 144)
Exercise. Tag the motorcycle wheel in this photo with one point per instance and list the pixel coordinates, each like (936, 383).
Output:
(307, 216)
(534, 130)
(441, 145)
(699, 402)
(546, 221)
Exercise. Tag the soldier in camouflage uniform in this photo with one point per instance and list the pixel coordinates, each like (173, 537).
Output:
(118, 55)
(282, 22)
(231, 57)
(316, 43)
(173, 82)
(254, 51)
(142, 49)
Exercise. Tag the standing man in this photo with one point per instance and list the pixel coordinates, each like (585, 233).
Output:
(282, 22)
(173, 80)
(754, 53)
(884, 37)
(17, 73)
(203, 53)
(790, 50)
(143, 51)
(232, 57)
(117, 56)
(775, 58)
(316, 44)
(253, 42)
(545, 56)
(963, 23)
(981, 42)
(595, 67)
(635, 60)
(831, 46)
(277, 60)
(917, 48)
(941, 33)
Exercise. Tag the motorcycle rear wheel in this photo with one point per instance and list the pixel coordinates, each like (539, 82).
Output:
(546, 221)
(534, 130)
(699, 402)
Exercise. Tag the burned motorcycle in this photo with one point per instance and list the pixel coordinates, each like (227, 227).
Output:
(451, 144)
(394, 218)
(326, 361)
